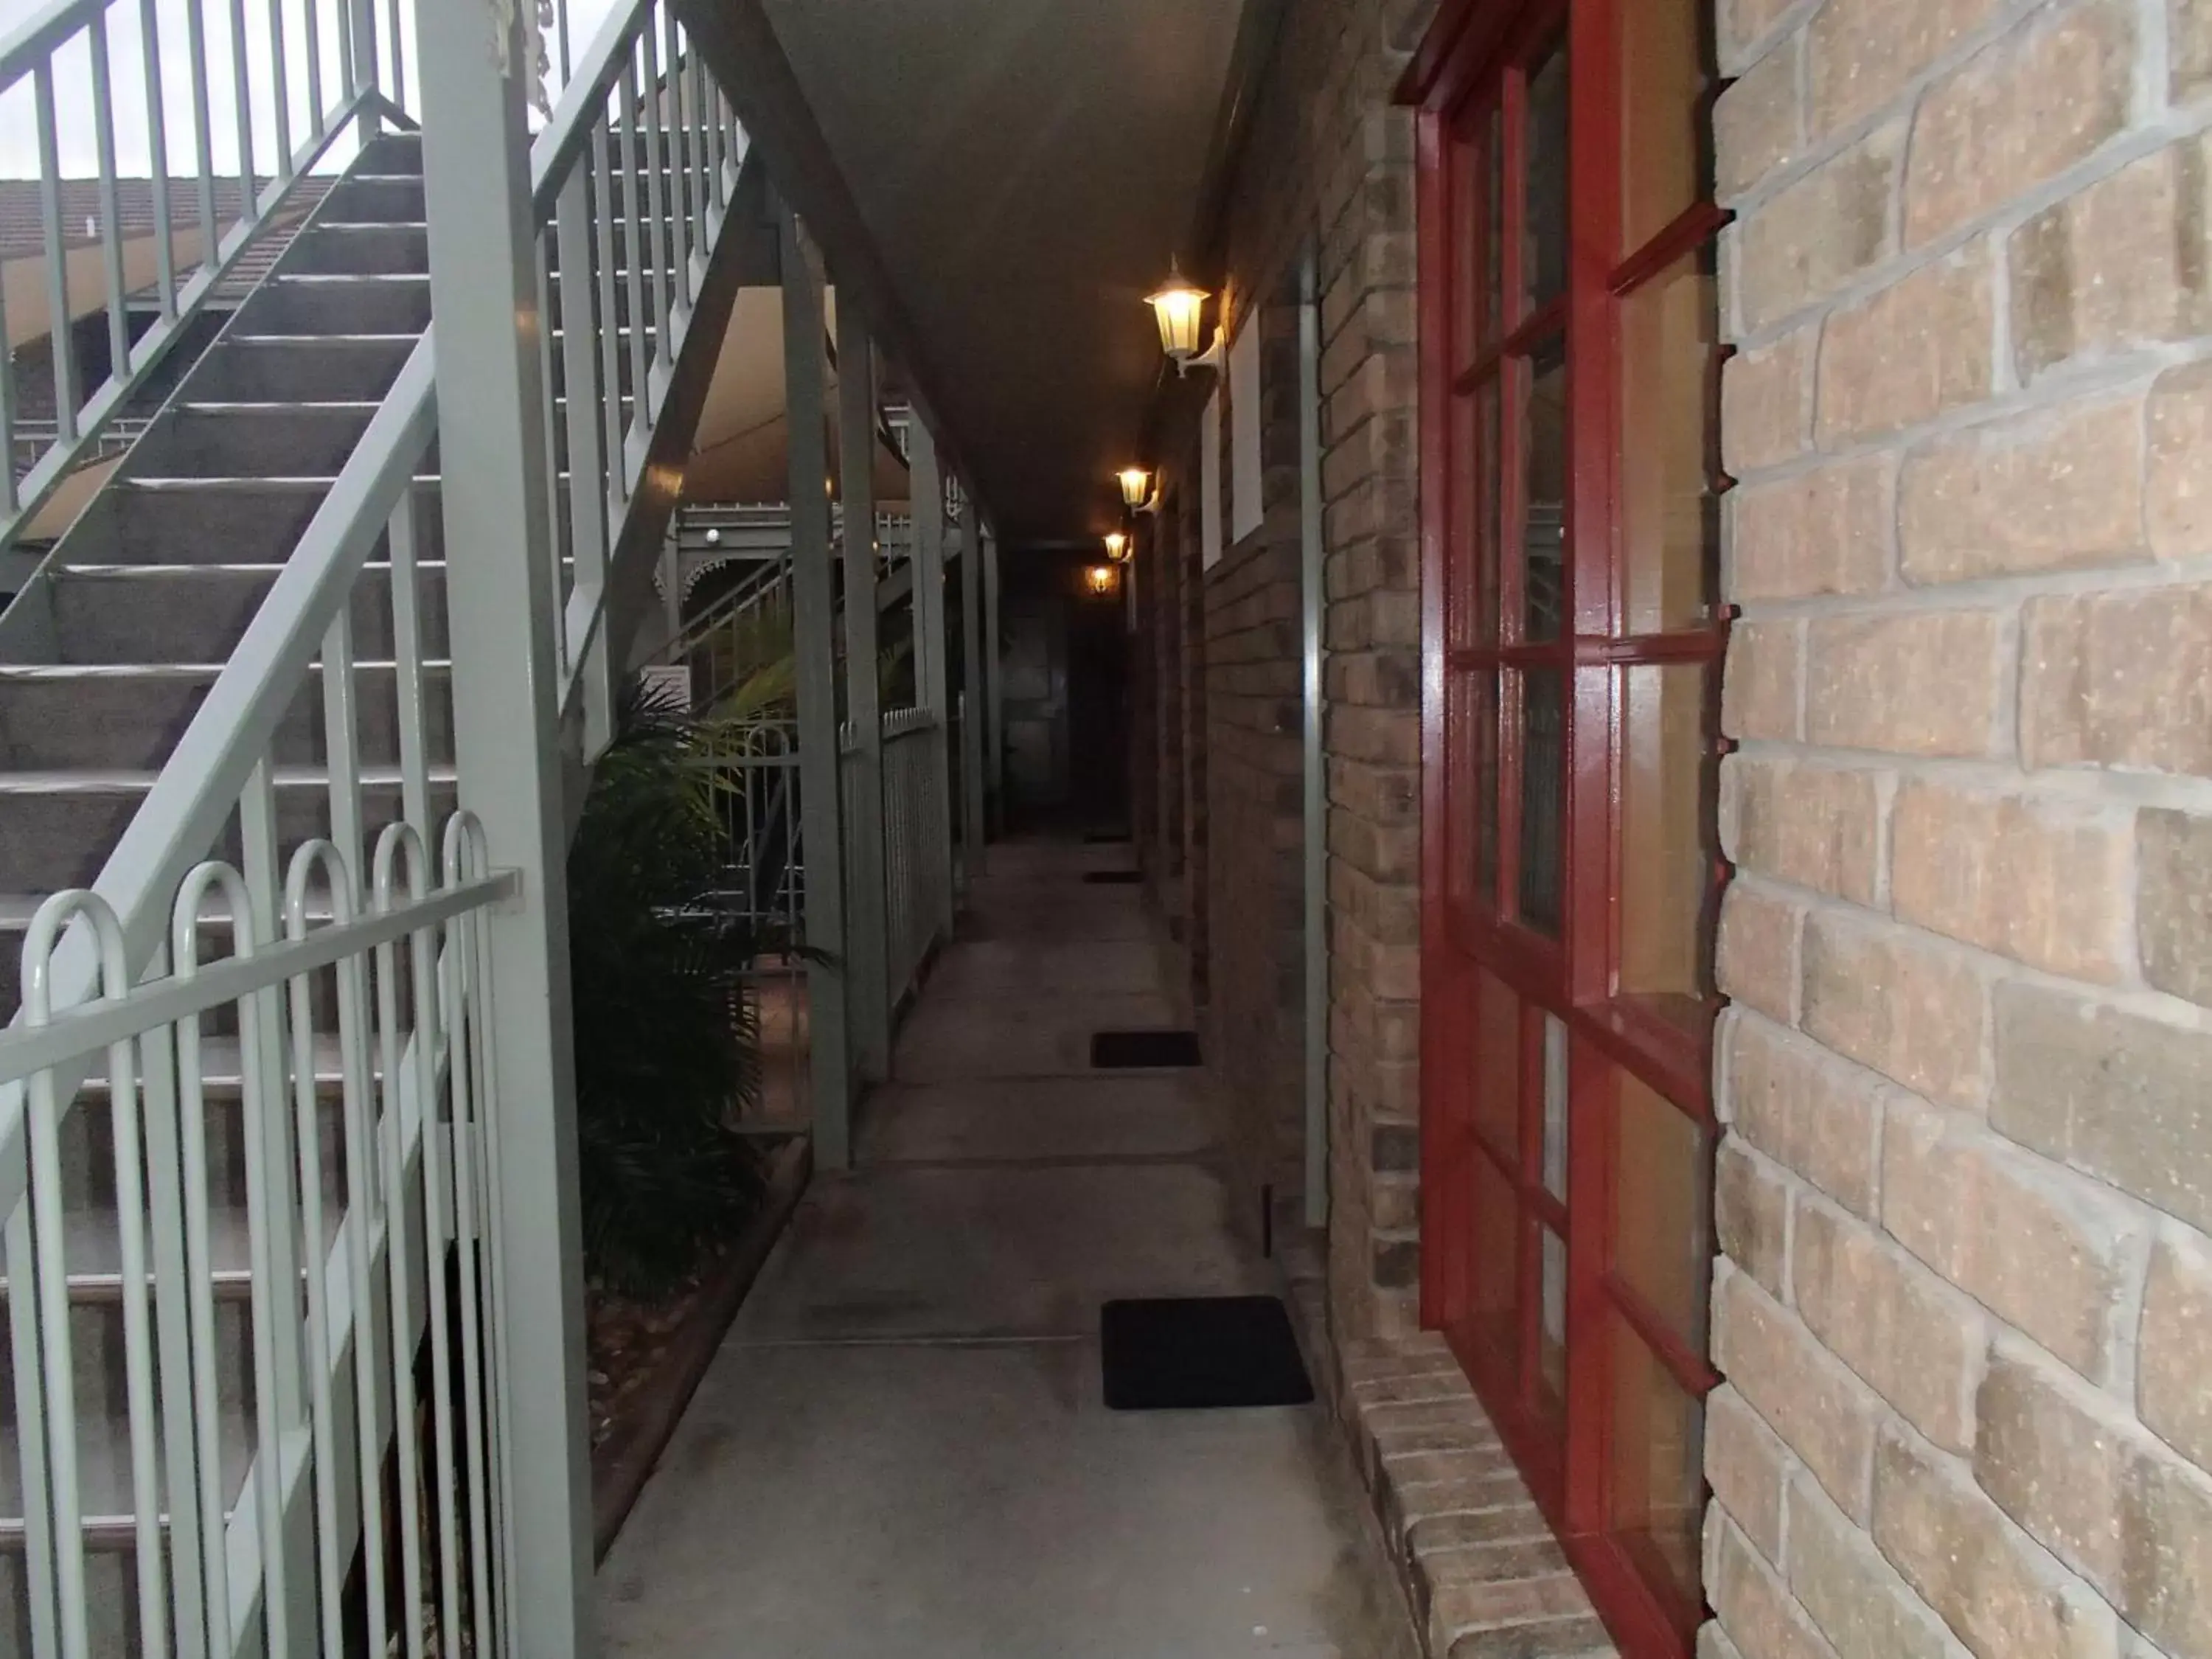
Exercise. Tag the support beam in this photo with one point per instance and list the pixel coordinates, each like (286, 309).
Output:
(813, 609)
(975, 555)
(501, 607)
(1313, 599)
(866, 912)
(995, 696)
(930, 667)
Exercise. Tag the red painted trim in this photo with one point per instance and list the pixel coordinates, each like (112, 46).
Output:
(1438, 1153)
(1475, 60)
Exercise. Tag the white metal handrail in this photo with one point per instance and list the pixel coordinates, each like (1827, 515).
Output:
(332, 79)
(632, 181)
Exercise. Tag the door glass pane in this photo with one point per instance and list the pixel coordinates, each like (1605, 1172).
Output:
(1669, 516)
(1663, 1209)
(1666, 855)
(1473, 499)
(1656, 1474)
(1465, 185)
(1544, 492)
(1489, 498)
(1543, 798)
(1544, 196)
(1465, 487)
(1497, 1068)
(1551, 1331)
(1665, 163)
(1493, 174)
(1472, 785)
(1555, 1107)
(1475, 809)
(1493, 1301)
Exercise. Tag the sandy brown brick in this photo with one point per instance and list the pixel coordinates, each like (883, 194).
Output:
(1759, 684)
(2122, 262)
(2043, 493)
(1749, 1597)
(2052, 1252)
(1860, 54)
(1757, 952)
(2107, 1498)
(1743, 23)
(1807, 1111)
(2044, 882)
(2177, 472)
(1816, 826)
(1922, 345)
(1915, 1341)
(2189, 48)
(1750, 1215)
(1989, 1582)
(2124, 1099)
(1811, 237)
(2173, 901)
(2121, 678)
(1748, 1467)
(1829, 530)
(1906, 1005)
(2014, 115)
(1858, 1600)
(1821, 1412)
(1767, 403)
(1756, 122)
(2175, 1360)
(1923, 682)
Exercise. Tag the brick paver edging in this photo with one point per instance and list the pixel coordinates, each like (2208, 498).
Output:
(1482, 1574)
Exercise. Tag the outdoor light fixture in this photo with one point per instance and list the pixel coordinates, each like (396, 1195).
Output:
(1179, 308)
(1100, 578)
(1136, 487)
(1117, 547)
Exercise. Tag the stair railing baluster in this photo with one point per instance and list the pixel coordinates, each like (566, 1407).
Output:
(656, 198)
(171, 1278)
(157, 150)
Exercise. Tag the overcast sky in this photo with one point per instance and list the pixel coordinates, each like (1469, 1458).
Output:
(77, 132)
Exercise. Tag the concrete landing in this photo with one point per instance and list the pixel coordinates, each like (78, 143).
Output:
(902, 1449)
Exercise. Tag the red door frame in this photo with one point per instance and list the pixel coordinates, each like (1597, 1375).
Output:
(1466, 53)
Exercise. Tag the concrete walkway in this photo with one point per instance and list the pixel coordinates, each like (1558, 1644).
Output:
(901, 1450)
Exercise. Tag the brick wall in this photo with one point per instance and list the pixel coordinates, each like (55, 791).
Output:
(1327, 164)
(1965, 1306)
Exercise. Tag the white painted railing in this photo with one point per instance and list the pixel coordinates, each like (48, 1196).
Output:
(263, 94)
(631, 180)
(332, 1375)
(916, 820)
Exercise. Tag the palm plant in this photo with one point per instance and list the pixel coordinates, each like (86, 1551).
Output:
(665, 1056)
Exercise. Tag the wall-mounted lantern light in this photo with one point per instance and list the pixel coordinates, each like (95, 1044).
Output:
(1117, 547)
(1136, 487)
(1179, 308)
(1100, 578)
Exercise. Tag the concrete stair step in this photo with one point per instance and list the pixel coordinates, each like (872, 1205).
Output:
(250, 368)
(287, 439)
(287, 304)
(195, 614)
(238, 521)
(131, 715)
(361, 250)
(61, 824)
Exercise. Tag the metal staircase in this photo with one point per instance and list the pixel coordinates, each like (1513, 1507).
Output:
(265, 1262)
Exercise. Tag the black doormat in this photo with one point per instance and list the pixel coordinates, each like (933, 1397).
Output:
(1104, 837)
(1113, 877)
(1117, 1050)
(1200, 1354)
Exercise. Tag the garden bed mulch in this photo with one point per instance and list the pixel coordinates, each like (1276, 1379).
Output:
(646, 1358)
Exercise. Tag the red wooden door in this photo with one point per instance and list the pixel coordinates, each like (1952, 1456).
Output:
(1571, 642)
